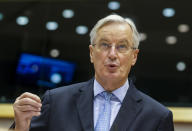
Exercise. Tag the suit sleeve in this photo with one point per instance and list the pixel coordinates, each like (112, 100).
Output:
(166, 123)
(41, 122)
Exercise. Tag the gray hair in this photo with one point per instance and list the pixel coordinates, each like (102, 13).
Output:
(115, 18)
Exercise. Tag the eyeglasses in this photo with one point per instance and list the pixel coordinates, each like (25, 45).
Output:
(121, 47)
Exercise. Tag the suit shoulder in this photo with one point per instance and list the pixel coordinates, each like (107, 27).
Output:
(69, 88)
(152, 105)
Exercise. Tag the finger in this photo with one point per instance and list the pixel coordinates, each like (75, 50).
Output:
(28, 101)
(28, 108)
(33, 113)
(36, 113)
(29, 115)
(29, 95)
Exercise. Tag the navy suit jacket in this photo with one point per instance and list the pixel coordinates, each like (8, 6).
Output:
(70, 108)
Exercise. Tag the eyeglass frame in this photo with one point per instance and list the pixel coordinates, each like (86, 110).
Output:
(109, 46)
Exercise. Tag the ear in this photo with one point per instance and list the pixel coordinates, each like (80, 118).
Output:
(135, 54)
(91, 52)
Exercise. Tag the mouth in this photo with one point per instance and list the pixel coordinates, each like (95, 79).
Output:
(112, 67)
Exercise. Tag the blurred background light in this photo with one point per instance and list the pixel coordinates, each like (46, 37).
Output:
(181, 66)
(52, 25)
(171, 40)
(56, 78)
(168, 12)
(68, 13)
(34, 68)
(3, 99)
(54, 53)
(1, 16)
(183, 28)
(22, 20)
(113, 5)
(143, 36)
(81, 29)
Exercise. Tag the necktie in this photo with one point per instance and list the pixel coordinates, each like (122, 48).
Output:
(103, 122)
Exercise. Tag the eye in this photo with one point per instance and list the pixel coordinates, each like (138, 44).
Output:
(122, 46)
(105, 45)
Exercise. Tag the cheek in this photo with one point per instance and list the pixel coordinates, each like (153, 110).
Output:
(98, 60)
(126, 63)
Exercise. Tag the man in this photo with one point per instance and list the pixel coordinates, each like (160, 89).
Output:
(109, 101)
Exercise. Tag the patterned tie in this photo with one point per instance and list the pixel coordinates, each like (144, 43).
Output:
(103, 122)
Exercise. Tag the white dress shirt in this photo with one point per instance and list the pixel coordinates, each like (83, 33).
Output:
(115, 101)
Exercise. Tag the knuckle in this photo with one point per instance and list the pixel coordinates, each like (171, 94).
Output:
(24, 108)
(15, 104)
(28, 107)
(26, 99)
(26, 94)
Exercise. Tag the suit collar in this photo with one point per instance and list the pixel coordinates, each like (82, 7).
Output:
(131, 106)
(85, 105)
(119, 92)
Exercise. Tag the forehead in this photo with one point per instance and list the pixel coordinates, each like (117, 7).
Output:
(115, 31)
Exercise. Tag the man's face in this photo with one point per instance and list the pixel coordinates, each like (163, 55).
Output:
(112, 61)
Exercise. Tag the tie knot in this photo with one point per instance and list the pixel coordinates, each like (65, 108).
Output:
(107, 96)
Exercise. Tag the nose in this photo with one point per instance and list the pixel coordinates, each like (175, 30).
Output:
(112, 53)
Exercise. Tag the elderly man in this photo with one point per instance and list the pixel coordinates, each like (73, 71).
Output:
(108, 102)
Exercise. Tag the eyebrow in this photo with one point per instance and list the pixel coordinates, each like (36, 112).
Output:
(124, 41)
(106, 40)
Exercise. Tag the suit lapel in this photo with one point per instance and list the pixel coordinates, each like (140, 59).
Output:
(131, 106)
(85, 106)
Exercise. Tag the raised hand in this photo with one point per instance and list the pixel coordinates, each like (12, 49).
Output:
(25, 107)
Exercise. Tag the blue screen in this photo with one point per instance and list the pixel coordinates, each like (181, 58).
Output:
(42, 71)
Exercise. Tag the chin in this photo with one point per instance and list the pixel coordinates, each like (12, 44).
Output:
(113, 75)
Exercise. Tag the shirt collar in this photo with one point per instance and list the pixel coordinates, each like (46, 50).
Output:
(119, 92)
